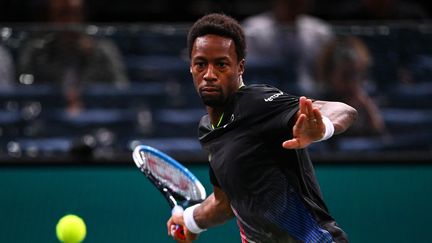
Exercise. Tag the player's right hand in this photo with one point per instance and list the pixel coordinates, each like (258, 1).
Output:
(175, 221)
(308, 128)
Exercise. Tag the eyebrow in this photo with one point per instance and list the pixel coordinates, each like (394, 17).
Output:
(200, 58)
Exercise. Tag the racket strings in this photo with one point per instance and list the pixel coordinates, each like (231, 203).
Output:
(171, 177)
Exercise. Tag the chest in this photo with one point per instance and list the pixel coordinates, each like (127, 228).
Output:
(240, 159)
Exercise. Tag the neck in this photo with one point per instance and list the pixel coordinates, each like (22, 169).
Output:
(215, 114)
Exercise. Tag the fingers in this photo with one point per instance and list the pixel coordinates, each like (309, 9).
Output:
(169, 226)
(302, 101)
(300, 123)
(174, 221)
(304, 106)
(291, 144)
(313, 114)
(178, 237)
(308, 126)
(173, 224)
(317, 114)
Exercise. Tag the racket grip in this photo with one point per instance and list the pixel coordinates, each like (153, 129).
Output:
(178, 231)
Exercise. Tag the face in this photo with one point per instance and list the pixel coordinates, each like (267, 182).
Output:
(215, 69)
(347, 78)
(66, 11)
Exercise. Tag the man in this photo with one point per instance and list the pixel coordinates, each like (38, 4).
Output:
(290, 38)
(69, 57)
(267, 183)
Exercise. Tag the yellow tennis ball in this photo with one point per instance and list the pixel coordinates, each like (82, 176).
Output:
(71, 229)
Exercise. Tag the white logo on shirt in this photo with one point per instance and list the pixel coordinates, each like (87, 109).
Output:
(271, 98)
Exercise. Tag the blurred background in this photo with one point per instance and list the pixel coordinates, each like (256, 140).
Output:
(82, 82)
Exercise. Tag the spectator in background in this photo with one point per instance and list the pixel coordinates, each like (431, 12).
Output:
(68, 56)
(7, 69)
(342, 71)
(287, 35)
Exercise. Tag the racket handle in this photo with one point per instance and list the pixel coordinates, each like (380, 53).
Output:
(178, 231)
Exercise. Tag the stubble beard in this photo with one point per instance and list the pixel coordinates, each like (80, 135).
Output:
(213, 101)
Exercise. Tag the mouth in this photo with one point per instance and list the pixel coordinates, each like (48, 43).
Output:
(212, 95)
(209, 90)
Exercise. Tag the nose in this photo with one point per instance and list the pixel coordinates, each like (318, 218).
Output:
(210, 74)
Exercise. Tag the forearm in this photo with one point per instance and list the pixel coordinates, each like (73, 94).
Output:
(340, 114)
(215, 210)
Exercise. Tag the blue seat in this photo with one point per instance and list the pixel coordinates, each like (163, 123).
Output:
(177, 122)
(412, 96)
(406, 141)
(40, 147)
(157, 67)
(403, 119)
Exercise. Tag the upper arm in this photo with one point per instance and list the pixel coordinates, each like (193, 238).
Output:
(221, 198)
(220, 201)
(215, 210)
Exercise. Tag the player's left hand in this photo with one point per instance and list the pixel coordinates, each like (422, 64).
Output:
(308, 128)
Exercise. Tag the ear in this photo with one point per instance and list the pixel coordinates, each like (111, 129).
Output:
(241, 66)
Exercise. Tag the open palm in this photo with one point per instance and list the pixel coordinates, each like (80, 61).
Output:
(308, 128)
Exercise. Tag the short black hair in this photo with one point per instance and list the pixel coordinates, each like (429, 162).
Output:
(221, 25)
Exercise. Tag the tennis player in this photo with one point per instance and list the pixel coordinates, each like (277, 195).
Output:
(256, 137)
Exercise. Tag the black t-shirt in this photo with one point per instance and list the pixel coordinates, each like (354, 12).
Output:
(273, 191)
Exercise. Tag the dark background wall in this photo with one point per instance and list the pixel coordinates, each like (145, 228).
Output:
(174, 11)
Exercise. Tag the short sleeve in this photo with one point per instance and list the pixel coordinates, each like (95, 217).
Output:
(213, 178)
(269, 108)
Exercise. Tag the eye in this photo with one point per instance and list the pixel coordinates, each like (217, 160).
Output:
(199, 65)
(221, 64)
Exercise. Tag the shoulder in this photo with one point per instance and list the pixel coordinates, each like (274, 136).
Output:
(105, 46)
(312, 24)
(266, 108)
(258, 22)
(204, 126)
(263, 96)
(262, 92)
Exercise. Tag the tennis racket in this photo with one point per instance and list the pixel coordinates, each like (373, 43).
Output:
(176, 183)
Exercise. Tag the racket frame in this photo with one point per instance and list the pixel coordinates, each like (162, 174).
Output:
(171, 196)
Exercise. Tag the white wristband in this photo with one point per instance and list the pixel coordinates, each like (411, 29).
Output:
(190, 221)
(329, 129)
